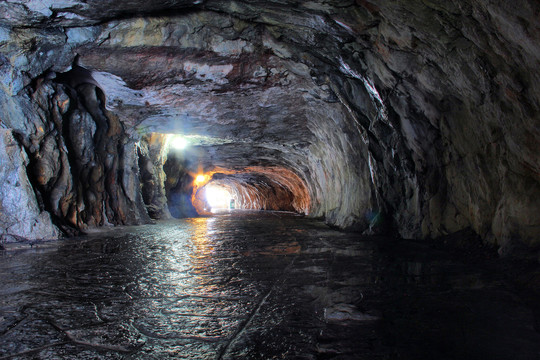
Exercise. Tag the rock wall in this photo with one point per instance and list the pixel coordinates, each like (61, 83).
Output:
(424, 114)
(152, 155)
(338, 170)
(460, 82)
(97, 183)
(446, 95)
(81, 166)
(178, 184)
(21, 218)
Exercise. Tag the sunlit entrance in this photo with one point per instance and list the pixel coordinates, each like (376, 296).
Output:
(218, 198)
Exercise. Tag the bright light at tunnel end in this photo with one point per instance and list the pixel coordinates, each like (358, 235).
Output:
(218, 198)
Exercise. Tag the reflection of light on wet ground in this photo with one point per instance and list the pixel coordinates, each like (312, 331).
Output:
(278, 249)
(255, 285)
(198, 238)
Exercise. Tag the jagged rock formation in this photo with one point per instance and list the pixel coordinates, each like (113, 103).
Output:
(424, 114)
(152, 156)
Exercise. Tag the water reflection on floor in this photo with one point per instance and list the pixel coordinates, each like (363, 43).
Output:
(256, 286)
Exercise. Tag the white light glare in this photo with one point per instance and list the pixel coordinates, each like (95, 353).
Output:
(179, 142)
(217, 197)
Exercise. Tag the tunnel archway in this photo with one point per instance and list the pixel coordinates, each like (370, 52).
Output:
(219, 197)
(255, 188)
(175, 182)
(430, 120)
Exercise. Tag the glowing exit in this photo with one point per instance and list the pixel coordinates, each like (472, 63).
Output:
(217, 197)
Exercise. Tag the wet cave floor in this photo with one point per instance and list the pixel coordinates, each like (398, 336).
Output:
(259, 286)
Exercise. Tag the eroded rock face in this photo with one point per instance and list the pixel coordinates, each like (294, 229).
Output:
(423, 113)
(20, 215)
(151, 158)
(82, 167)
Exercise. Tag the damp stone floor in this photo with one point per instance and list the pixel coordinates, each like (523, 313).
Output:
(256, 285)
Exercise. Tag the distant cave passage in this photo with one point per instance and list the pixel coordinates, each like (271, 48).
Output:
(253, 189)
(175, 183)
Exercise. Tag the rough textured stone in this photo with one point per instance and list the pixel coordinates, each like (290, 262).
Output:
(419, 115)
(151, 158)
(20, 215)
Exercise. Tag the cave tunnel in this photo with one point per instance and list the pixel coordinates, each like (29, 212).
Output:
(334, 166)
(179, 179)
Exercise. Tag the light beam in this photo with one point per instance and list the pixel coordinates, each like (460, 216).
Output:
(179, 142)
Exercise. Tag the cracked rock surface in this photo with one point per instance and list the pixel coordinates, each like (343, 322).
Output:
(419, 116)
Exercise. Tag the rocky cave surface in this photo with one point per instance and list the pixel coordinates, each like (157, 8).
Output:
(419, 117)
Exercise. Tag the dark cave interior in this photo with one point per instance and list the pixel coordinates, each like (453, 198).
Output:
(395, 144)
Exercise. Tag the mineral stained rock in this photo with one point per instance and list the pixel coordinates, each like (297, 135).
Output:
(419, 116)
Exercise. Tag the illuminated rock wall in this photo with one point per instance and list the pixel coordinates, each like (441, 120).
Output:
(418, 117)
(259, 188)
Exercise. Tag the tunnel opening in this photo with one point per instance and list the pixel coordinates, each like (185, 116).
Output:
(218, 198)
(249, 189)
(262, 189)
(178, 181)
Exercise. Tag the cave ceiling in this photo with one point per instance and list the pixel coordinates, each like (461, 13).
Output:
(195, 72)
